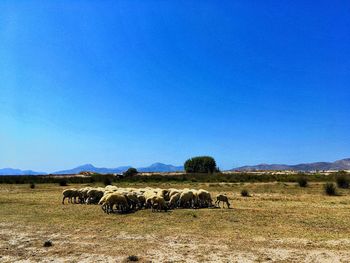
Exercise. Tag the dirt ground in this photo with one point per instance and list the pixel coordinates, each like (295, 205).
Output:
(279, 223)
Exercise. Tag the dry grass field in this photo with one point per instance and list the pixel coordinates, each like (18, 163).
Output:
(279, 223)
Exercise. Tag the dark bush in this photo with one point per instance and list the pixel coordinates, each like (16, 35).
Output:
(302, 181)
(133, 258)
(32, 185)
(343, 181)
(48, 243)
(330, 189)
(63, 182)
(245, 193)
(107, 181)
(130, 172)
(200, 164)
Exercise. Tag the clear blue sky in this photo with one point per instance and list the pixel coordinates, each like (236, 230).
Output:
(135, 82)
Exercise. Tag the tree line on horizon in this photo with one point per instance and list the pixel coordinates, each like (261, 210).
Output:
(198, 164)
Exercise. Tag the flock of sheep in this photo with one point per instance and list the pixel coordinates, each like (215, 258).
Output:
(123, 200)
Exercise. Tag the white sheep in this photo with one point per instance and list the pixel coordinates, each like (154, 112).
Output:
(158, 204)
(174, 199)
(118, 200)
(186, 199)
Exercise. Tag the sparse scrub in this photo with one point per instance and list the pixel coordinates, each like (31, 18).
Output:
(302, 181)
(63, 182)
(245, 193)
(48, 243)
(107, 181)
(157, 178)
(132, 258)
(343, 181)
(330, 189)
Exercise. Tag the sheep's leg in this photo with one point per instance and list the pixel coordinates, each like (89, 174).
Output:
(63, 200)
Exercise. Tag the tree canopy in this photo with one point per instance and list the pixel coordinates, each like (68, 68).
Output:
(200, 164)
(130, 172)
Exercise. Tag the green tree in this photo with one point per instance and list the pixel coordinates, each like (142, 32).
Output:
(200, 164)
(130, 172)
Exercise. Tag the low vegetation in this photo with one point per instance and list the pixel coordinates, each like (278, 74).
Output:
(343, 180)
(130, 172)
(302, 181)
(330, 189)
(245, 193)
(178, 178)
(61, 182)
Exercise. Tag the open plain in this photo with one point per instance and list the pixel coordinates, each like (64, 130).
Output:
(280, 222)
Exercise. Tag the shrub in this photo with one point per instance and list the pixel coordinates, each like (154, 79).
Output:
(130, 172)
(330, 189)
(200, 164)
(63, 182)
(342, 181)
(107, 181)
(32, 185)
(245, 193)
(48, 243)
(302, 181)
(133, 258)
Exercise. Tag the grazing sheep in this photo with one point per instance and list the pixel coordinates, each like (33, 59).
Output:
(84, 192)
(174, 200)
(118, 200)
(102, 202)
(132, 200)
(70, 194)
(142, 200)
(94, 195)
(148, 202)
(204, 198)
(126, 199)
(164, 193)
(111, 188)
(158, 204)
(186, 199)
(223, 199)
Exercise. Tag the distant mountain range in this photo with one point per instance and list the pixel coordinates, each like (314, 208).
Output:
(156, 167)
(343, 164)
(161, 167)
(91, 168)
(10, 171)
